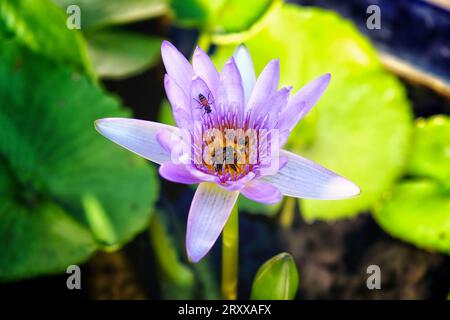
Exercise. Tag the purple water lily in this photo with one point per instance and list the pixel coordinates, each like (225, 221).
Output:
(204, 101)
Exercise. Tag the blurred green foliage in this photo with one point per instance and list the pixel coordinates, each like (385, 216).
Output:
(276, 279)
(116, 53)
(431, 152)
(41, 27)
(178, 278)
(167, 255)
(114, 60)
(101, 13)
(418, 209)
(224, 20)
(361, 126)
(66, 191)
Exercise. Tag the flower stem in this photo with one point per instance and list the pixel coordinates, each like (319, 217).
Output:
(288, 212)
(230, 250)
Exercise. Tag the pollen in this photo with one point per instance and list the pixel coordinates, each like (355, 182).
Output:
(227, 160)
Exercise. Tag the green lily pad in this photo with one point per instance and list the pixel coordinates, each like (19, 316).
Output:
(67, 190)
(276, 279)
(190, 13)
(431, 151)
(44, 238)
(114, 60)
(99, 13)
(41, 27)
(224, 20)
(361, 126)
(418, 211)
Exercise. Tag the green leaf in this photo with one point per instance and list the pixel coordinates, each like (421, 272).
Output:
(167, 255)
(57, 164)
(225, 20)
(100, 13)
(431, 151)
(361, 126)
(114, 60)
(179, 279)
(238, 20)
(418, 211)
(41, 27)
(44, 238)
(276, 279)
(190, 13)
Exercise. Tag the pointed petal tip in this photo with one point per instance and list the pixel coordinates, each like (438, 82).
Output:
(195, 254)
(341, 188)
(101, 124)
(193, 258)
(166, 43)
(198, 51)
(98, 124)
(274, 67)
(231, 61)
(241, 48)
(326, 78)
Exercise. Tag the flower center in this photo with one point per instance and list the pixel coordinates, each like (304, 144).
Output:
(227, 154)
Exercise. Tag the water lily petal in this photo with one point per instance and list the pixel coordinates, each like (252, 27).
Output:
(303, 178)
(138, 136)
(245, 65)
(231, 92)
(266, 85)
(261, 191)
(205, 69)
(177, 66)
(177, 173)
(177, 144)
(166, 139)
(179, 101)
(198, 87)
(266, 114)
(301, 102)
(238, 184)
(208, 214)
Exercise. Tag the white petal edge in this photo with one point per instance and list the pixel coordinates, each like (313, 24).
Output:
(244, 63)
(208, 214)
(302, 178)
(137, 136)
